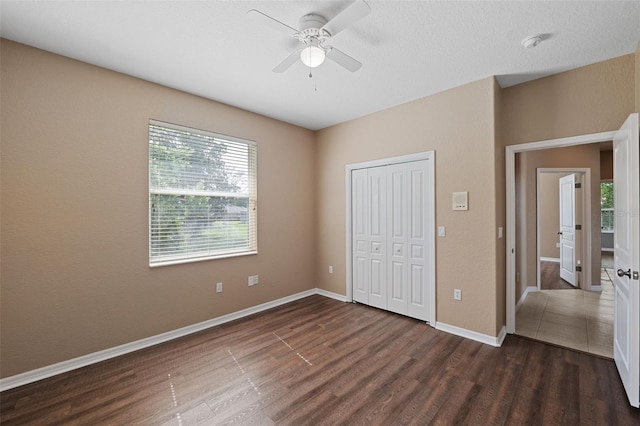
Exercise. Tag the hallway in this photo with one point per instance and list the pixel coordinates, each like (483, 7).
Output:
(574, 318)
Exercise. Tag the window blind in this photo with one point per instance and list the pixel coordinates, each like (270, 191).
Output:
(202, 195)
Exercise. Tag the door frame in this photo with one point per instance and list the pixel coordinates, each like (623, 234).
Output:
(510, 181)
(585, 219)
(431, 241)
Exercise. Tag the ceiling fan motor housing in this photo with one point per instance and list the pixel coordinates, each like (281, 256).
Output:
(311, 28)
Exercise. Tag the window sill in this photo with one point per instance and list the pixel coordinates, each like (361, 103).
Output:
(200, 259)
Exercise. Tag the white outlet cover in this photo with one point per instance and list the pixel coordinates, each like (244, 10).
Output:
(457, 294)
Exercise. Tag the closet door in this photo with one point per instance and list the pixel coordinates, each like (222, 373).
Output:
(397, 236)
(418, 252)
(406, 239)
(390, 251)
(360, 235)
(377, 235)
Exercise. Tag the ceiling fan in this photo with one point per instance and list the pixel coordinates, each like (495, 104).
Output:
(313, 33)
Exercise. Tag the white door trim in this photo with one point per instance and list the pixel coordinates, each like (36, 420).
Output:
(431, 242)
(585, 220)
(510, 170)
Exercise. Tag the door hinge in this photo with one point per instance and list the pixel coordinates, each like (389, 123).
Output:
(578, 227)
(578, 268)
(578, 185)
(635, 275)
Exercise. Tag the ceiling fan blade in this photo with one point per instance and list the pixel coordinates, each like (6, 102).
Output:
(343, 59)
(288, 62)
(354, 12)
(271, 22)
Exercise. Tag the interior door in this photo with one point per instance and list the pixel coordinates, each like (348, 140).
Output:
(568, 228)
(626, 323)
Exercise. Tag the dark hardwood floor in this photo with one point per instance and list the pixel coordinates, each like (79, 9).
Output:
(319, 361)
(550, 277)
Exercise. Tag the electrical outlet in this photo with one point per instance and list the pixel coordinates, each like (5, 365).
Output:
(457, 294)
(253, 280)
(250, 280)
(330, 269)
(219, 288)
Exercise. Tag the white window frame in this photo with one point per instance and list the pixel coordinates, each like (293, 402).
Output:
(251, 195)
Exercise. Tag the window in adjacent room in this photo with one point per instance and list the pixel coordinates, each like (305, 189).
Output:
(606, 206)
(202, 195)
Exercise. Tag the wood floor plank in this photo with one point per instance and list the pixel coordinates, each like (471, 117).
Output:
(323, 362)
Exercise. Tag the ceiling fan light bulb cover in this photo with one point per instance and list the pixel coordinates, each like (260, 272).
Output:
(312, 56)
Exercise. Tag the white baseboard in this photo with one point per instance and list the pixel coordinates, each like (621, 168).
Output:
(550, 259)
(331, 295)
(474, 335)
(530, 289)
(92, 358)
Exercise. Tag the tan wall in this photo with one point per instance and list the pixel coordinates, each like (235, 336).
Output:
(459, 126)
(75, 274)
(595, 98)
(606, 165)
(585, 156)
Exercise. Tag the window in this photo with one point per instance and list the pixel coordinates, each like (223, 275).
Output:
(606, 206)
(202, 195)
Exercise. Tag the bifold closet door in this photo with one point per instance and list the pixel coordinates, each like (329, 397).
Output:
(389, 235)
(369, 210)
(406, 239)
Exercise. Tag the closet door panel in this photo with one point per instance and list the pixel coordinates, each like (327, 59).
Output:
(377, 235)
(418, 302)
(360, 239)
(398, 237)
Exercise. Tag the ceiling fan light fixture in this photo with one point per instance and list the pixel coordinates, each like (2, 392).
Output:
(312, 56)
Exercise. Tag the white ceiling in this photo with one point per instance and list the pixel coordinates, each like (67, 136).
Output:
(409, 49)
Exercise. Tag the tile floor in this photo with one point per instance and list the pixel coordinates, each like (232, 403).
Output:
(574, 318)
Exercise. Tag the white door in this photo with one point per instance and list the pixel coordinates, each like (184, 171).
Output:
(407, 239)
(369, 224)
(360, 235)
(391, 250)
(626, 324)
(568, 229)
(398, 214)
(377, 224)
(418, 251)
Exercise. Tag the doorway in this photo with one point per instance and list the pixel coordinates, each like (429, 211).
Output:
(551, 259)
(510, 163)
